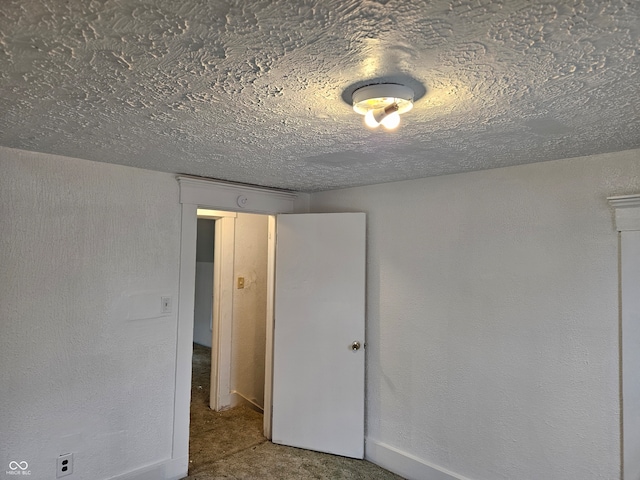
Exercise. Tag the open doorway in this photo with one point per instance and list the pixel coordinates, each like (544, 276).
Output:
(201, 193)
(230, 332)
(248, 335)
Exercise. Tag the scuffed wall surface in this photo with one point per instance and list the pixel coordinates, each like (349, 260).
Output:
(87, 359)
(492, 317)
(252, 91)
(250, 308)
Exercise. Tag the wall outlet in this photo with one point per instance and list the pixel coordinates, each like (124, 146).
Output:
(65, 465)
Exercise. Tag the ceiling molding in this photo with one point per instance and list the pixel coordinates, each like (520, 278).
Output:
(627, 212)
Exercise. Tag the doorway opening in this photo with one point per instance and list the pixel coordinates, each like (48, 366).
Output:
(231, 307)
(345, 277)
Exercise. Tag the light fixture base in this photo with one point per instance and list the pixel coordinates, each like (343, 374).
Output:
(381, 95)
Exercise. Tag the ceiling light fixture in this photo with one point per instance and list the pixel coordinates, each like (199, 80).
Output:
(382, 104)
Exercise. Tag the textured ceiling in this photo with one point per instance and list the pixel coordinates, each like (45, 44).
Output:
(253, 91)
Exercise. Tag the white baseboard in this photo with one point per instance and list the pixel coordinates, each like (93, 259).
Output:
(239, 399)
(172, 469)
(405, 464)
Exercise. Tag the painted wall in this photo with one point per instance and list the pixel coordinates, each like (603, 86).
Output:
(250, 308)
(492, 317)
(87, 359)
(204, 282)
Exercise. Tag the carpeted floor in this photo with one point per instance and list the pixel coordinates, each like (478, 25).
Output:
(230, 445)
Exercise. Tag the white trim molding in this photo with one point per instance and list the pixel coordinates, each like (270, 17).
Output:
(223, 268)
(168, 470)
(627, 211)
(627, 219)
(405, 464)
(268, 358)
(234, 197)
(184, 340)
(222, 315)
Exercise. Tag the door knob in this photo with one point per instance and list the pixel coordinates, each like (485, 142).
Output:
(355, 346)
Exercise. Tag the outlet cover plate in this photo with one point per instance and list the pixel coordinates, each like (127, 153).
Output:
(65, 465)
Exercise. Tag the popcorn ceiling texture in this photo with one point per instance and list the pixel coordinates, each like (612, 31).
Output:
(251, 91)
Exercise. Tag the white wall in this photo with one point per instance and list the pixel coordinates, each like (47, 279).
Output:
(204, 283)
(492, 316)
(87, 361)
(250, 308)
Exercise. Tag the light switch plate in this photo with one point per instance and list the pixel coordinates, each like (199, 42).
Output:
(166, 304)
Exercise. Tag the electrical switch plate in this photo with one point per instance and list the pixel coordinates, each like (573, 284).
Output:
(166, 304)
(65, 465)
(240, 282)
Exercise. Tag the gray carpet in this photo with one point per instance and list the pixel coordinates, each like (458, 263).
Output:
(230, 445)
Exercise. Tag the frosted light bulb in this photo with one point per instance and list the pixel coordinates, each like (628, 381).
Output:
(391, 121)
(370, 121)
(382, 103)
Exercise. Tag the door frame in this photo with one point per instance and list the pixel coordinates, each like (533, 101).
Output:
(215, 195)
(222, 315)
(627, 223)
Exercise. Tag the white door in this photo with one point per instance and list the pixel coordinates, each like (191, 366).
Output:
(318, 369)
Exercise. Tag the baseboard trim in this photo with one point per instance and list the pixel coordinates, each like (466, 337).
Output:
(405, 464)
(239, 399)
(172, 469)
